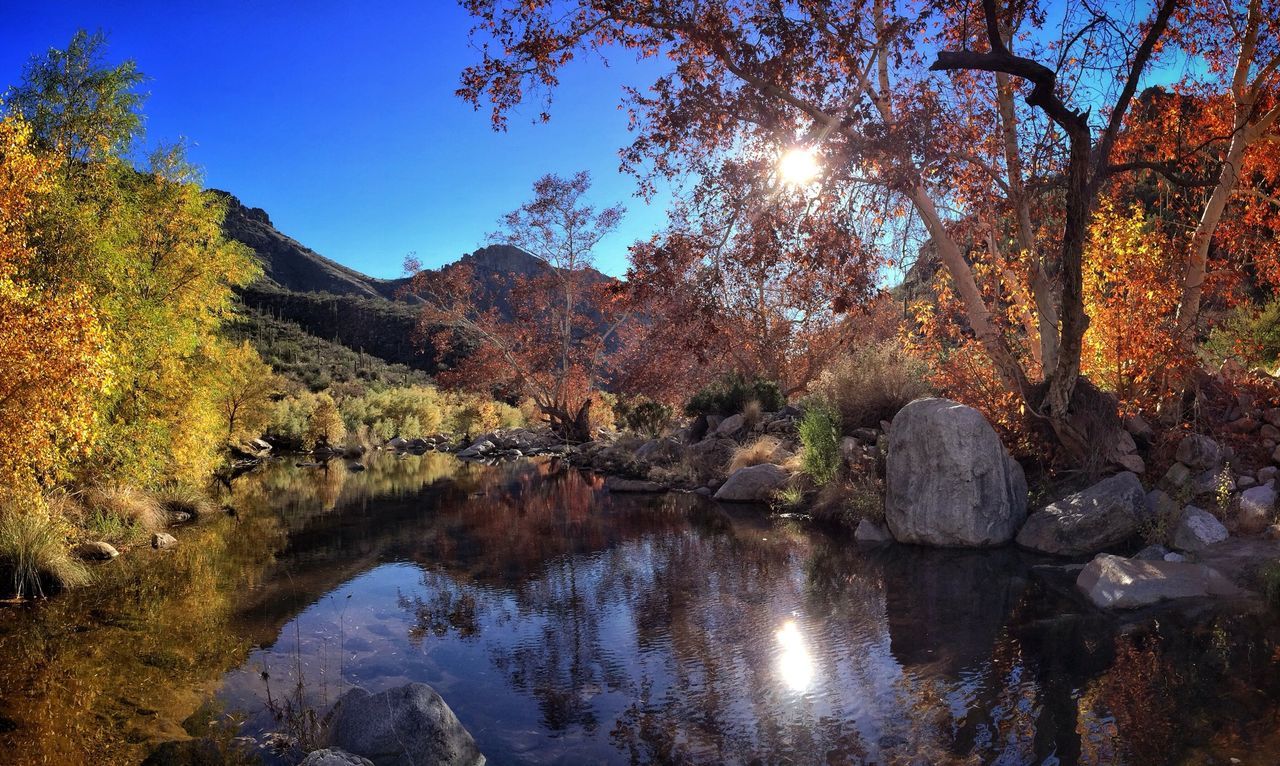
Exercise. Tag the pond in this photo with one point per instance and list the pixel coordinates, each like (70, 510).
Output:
(566, 625)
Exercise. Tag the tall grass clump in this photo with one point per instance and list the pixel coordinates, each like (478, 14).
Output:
(820, 435)
(184, 498)
(766, 449)
(871, 383)
(131, 506)
(34, 556)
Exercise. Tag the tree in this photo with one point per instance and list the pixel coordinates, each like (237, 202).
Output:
(53, 360)
(566, 316)
(325, 427)
(858, 87)
(246, 387)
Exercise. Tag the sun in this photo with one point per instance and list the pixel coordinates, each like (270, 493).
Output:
(799, 166)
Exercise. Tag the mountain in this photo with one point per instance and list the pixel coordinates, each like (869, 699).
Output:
(348, 325)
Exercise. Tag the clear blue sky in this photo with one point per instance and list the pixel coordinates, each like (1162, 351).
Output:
(339, 118)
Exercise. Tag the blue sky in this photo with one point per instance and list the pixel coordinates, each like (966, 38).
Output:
(339, 118)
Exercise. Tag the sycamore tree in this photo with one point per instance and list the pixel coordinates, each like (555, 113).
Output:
(991, 128)
(566, 317)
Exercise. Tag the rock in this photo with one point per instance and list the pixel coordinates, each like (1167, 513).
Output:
(1125, 443)
(477, 448)
(1138, 427)
(162, 540)
(1152, 553)
(849, 448)
(1173, 556)
(406, 725)
(1212, 482)
(1131, 463)
(1257, 504)
(619, 484)
(1161, 506)
(397, 442)
(949, 481)
(1266, 474)
(96, 551)
(1272, 532)
(1275, 455)
(1177, 477)
(1199, 452)
(1104, 515)
(703, 492)
(867, 435)
(869, 531)
(710, 458)
(1114, 582)
(1269, 432)
(355, 467)
(1196, 530)
(731, 425)
(1242, 425)
(334, 756)
(660, 451)
(1246, 482)
(753, 484)
(1272, 416)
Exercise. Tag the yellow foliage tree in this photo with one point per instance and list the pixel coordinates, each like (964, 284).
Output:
(325, 428)
(52, 356)
(246, 386)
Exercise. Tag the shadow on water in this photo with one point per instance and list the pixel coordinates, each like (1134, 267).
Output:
(565, 625)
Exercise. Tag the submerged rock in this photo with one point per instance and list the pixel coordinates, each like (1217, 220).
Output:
(1197, 529)
(1114, 582)
(1106, 514)
(869, 531)
(619, 484)
(753, 484)
(162, 540)
(406, 725)
(949, 481)
(334, 756)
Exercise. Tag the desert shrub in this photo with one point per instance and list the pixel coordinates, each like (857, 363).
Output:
(290, 417)
(1249, 332)
(731, 394)
(33, 553)
(410, 411)
(871, 383)
(766, 449)
(642, 415)
(131, 506)
(820, 435)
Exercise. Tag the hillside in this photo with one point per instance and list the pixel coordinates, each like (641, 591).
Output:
(349, 322)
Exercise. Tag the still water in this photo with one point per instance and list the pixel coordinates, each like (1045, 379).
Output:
(565, 625)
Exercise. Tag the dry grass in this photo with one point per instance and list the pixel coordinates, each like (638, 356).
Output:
(766, 449)
(849, 499)
(752, 413)
(871, 384)
(181, 498)
(133, 507)
(34, 556)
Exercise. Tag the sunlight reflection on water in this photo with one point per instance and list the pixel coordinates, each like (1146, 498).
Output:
(795, 664)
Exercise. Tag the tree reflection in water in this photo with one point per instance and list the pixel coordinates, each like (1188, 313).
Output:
(566, 625)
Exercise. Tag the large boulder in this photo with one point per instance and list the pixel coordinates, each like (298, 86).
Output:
(948, 480)
(1199, 452)
(1196, 530)
(753, 484)
(1257, 505)
(1106, 514)
(709, 459)
(730, 426)
(406, 725)
(1114, 582)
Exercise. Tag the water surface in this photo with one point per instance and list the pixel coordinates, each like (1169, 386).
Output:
(565, 625)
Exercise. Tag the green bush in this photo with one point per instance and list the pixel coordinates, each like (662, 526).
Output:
(820, 435)
(1249, 332)
(731, 394)
(642, 415)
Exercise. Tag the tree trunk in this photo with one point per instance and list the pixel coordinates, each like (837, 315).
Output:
(574, 428)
